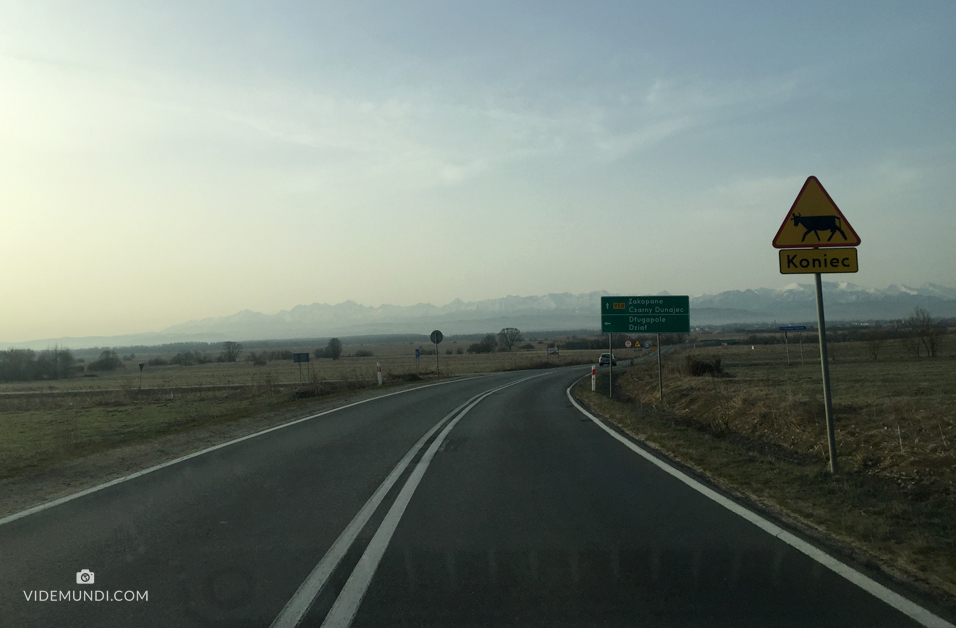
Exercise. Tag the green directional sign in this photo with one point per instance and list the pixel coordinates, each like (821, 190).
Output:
(645, 315)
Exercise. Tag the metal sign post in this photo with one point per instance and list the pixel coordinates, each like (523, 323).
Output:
(660, 368)
(436, 337)
(141, 365)
(786, 340)
(827, 401)
(610, 366)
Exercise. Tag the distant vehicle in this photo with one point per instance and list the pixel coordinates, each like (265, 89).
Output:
(607, 358)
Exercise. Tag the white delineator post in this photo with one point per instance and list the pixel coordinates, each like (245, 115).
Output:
(593, 378)
(378, 367)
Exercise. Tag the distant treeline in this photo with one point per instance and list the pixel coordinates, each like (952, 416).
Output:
(270, 346)
(920, 334)
(24, 365)
(618, 340)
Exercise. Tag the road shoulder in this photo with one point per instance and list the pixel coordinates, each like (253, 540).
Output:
(761, 484)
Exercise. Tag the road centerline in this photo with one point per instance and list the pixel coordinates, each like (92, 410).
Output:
(302, 600)
(348, 601)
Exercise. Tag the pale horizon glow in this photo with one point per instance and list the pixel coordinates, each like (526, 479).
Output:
(174, 161)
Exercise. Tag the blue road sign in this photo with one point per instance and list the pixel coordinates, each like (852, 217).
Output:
(793, 328)
(418, 354)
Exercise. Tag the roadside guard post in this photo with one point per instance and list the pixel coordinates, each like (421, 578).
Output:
(812, 214)
(646, 315)
(593, 378)
(378, 367)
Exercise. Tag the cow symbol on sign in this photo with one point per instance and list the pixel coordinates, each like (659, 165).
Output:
(818, 223)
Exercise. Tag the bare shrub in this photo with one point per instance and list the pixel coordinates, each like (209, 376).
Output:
(695, 367)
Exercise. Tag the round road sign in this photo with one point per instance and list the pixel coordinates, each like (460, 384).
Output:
(436, 337)
(627, 344)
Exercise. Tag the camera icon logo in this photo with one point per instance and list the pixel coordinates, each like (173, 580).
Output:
(84, 576)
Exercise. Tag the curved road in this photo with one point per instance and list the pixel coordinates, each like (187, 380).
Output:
(491, 501)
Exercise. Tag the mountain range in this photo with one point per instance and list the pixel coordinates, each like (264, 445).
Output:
(793, 303)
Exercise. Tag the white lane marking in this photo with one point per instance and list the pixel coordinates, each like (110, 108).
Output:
(296, 608)
(131, 476)
(349, 599)
(897, 601)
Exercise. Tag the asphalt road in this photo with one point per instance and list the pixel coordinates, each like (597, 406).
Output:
(449, 505)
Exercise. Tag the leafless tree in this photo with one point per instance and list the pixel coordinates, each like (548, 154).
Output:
(509, 336)
(928, 332)
(231, 351)
(874, 341)
(907, 335)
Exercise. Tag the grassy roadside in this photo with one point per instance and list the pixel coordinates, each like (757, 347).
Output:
(37, 433)
(119, 435)
(872, 518)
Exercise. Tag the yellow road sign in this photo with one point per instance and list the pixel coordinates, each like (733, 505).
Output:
(814, 220)
(806, 261)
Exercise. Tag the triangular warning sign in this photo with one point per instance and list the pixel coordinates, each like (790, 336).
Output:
(814, 220)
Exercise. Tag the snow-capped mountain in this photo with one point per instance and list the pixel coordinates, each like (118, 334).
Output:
(843, 301)
(792, 303)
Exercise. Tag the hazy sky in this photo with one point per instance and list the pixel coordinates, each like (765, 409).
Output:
(166, 161)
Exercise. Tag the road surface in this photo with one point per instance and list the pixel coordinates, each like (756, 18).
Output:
(491, 501)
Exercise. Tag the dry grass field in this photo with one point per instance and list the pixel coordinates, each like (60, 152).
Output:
(758, 428)
(48, 423)
(397, 360)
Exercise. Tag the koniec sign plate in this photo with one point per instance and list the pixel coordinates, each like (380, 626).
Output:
(807, 261)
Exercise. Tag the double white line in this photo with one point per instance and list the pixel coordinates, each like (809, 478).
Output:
(347, 603)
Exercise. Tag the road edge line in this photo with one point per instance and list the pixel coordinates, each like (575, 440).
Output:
(132, 476)
(890, 597)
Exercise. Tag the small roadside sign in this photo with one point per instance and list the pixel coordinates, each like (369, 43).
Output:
(436, 337)
(814, 221)
(627, 343)
(810, 261)
(418, 354)
(300, 359)
(793, 328)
